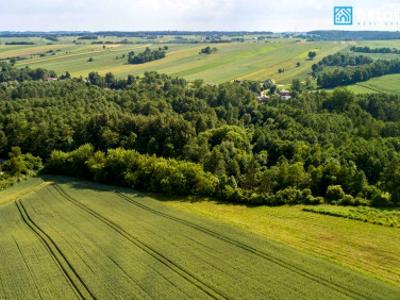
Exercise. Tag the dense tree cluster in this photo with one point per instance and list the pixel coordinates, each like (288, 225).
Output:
(342, 60)
(346, 35)
(216, 140)
(9, 73)
(208, 50)
(109, 80)
(367, 49)
(146, 56)
(24, 43)
(17, 166)
(88, 37)
(312, 54)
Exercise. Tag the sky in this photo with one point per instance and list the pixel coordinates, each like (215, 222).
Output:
(194, 15)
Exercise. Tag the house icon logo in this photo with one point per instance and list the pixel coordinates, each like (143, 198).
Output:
(343, 15)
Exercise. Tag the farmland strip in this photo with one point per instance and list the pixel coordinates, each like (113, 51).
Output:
(259, 253)
(187, 275)
(55, 252)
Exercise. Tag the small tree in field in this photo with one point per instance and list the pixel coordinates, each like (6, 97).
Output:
(312, 55)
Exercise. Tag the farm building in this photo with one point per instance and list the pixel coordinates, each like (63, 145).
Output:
(285, 95)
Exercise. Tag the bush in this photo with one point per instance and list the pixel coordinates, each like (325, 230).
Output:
(347, 200)
(382, 199)
(378, 197)
(334, 193)
(289, 195)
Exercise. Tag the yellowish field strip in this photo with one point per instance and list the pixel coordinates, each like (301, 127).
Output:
(23, 192)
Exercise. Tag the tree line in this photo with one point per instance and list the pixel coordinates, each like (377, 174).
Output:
(367, 49)
(9, 73)
(342, 60)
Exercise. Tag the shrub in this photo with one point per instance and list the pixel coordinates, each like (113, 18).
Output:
(289, 195)
(334, 193)
(378, 197)
(347, 200)
(382, 199)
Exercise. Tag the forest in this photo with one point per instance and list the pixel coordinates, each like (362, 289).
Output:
(164, 134)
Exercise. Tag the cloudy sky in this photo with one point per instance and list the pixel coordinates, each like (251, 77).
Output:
(229, 15)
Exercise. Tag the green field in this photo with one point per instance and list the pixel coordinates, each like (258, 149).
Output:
(253, 60)
(68, 239)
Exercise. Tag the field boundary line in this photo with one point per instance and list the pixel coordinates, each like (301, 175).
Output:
(251, 249)
(185, 274)
(55, 252)
(369, 87)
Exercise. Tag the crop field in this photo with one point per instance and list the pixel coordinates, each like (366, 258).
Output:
(254, 60)
(68, 239)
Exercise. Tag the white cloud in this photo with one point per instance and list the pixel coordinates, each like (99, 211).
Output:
(282, 15)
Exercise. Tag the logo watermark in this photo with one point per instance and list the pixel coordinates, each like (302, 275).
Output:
(343, 15)
(382, 18)
(379, 19)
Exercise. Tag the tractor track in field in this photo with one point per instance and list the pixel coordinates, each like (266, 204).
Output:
(346, 291)
(28, 267)
(132, 280)
(182, 272)
(55, 252)
(153, 269)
